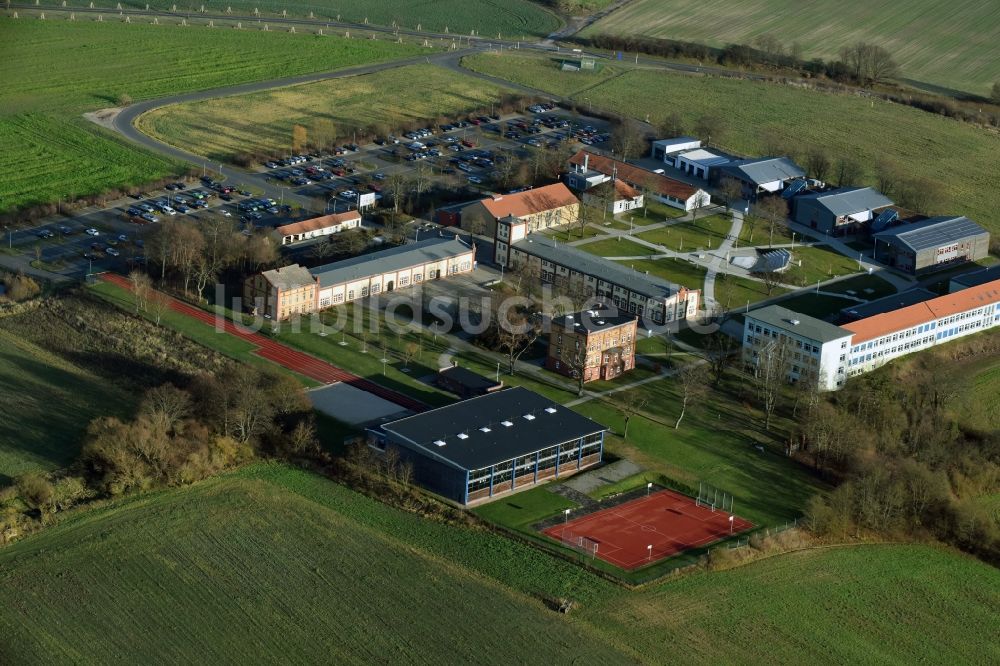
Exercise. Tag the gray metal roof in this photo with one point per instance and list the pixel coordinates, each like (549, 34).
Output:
(393, 259)
(807, 327)
(289, 277)
(933, 232)
(888, 303)
(849, 200)
(650, 286)
(487, 439)
(976, 278)
(594, 321)
(764, 169)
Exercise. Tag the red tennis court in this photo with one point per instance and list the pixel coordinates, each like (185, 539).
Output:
(666, 520)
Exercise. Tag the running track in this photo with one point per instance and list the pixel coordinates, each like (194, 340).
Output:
(296, 361)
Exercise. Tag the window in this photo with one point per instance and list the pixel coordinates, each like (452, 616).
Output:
(418, 277)
(338, 298)
(364, 291)
(350, 295)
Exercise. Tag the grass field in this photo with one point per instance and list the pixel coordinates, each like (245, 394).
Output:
(822, 306)
(54, 71)
(678, 271)
(958, 156)
(953, 44)
(513, 19)
(866, 604)
(48, 403)
(734, 292)
(982, 408)
(222, 127)
(616, 247)
(701, 234)
(247, 568)
(276, 564)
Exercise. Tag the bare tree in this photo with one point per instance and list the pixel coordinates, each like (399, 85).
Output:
(869, 64)
(672, 125)
(515, 327)
(632, 404)
(888, 175)
(700, 202)
(818, 163)
(770, 372)
(720, 348)
(140, 289)
(693, 383)
(771, 281)
(158, 304)
(995, 93)
(849, 171)
(396, 186)
(711, 127)
(628, 139)
(772, 210)
(731, 191)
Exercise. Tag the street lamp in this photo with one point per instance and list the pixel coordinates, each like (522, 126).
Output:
(731, 524)
(649, 552)
(649, 486)
(566, 515)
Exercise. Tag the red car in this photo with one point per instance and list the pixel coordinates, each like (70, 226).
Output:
(468, 143)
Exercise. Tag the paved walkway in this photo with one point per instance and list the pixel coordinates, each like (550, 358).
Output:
(285, 356)
(588, 482)
(719, 257)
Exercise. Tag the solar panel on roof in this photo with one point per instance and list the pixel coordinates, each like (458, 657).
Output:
(884, 219)
(794, 188)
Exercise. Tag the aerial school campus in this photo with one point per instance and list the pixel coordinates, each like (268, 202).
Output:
(609, 322)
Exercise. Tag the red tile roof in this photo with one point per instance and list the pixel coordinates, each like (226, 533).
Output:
(635, 176)
(530, 202)
(871, 328)
(317, 223)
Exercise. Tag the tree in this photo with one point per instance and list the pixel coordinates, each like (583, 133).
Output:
(124, 99)
(139, 282)
(731, 191)
(919, 194)
(166, 406)
(628, 139)
(693, 383)
(995, 93)
(711, 127)
(410, 351)
(515, 327)
(631, 405)
(817, 163)
(672, 125)
(869, 64)
(396, 186)
(849, 171)
(158, 305)
(701, 201)
(773, 210)
(771, 281)
(888, 174)
(720, 348)
(769, 376)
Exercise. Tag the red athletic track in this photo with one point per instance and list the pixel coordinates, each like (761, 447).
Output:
(294, 360)
(668, 521)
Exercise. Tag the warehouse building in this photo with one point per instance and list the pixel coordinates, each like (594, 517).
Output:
(761, 175)
(932, 244)
(580, 272)
(840, 212)
(476, 450)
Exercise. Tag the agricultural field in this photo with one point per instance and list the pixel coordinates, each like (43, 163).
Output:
(222, 127)
(513, 19)
(952, 44)
(54, 71)
(272, 563)
(47, 402)
(249, 569)
(863, 604)
(959, 157)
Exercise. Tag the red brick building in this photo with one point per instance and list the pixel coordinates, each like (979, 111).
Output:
(597, 344)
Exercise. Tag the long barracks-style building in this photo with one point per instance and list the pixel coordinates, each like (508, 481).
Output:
(478, 449)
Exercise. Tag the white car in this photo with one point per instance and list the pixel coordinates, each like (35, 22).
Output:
(225, 213)
(475, 179)
(112, 252)
(93, 232)
(167, 210)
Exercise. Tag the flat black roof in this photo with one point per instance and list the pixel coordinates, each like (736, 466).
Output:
(468, 378)
(977, 278)
(594, 321)
(491, 429)
(885, 304)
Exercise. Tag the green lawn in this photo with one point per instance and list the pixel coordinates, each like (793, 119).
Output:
(56, 70)
(48, 403)
(223, 127)
(702, 234)
(574, 232)
(676, 270)
(617, 247)
(868, 287)
(952, 44)
(757, 232)
(818, 262)
(958, 156)
(734, 292)
(817, 305)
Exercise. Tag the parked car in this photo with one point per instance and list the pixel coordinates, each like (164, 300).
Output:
(93, 232)
(379, 176)
(112, 252)
(475, 179)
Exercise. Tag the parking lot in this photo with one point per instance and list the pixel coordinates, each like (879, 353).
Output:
(465, 151)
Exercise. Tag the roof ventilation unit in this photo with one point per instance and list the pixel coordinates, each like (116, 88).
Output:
(462, 435)
(485, 429)
(550, 410)
(439, 442)
(529, 417)
(506, 424)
